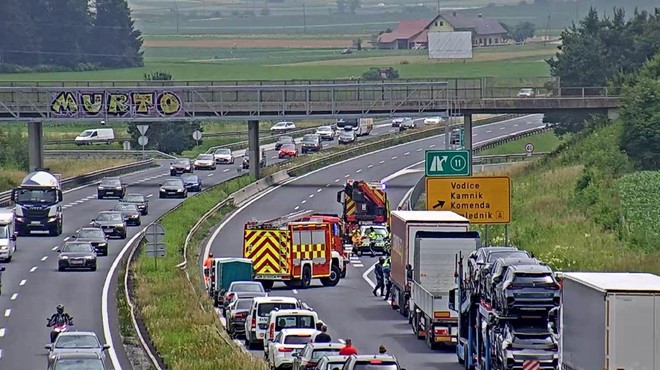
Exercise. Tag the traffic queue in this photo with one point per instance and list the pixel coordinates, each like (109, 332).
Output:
(290, 332)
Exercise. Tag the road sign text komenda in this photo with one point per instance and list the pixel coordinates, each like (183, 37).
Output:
(72, 104)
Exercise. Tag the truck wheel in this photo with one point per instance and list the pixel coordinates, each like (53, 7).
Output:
(334, 277)
(267, 284)
(306, 279)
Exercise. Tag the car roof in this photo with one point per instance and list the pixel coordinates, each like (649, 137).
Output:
(77, 334)
(117, 212)
(326, 345)
(111, 178)
(250, 282)
(530, 269)
(513, 261)
(297, 331)
(295, 311)
(71, 242)
(90, 228)
(384, 357)
(275, 300)
(134, 194)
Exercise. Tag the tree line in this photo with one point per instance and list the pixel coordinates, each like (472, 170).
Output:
(68, 35)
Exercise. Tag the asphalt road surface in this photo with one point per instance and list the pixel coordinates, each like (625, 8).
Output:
(349, 309)
(32, 285)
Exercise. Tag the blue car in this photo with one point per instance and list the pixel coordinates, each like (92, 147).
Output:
(192, 182)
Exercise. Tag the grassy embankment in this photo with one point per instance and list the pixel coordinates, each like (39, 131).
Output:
(584, 207)
(192, 341)
(543, 142)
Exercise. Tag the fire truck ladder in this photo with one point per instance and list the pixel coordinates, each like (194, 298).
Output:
(281, 221)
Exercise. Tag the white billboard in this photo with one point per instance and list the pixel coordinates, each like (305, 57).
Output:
(450, 45)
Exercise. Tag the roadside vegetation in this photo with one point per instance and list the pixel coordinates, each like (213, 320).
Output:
(543, 142)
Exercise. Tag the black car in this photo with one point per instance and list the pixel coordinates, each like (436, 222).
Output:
(181, 165)
(95, 236)
(130, 212)
(173, 188)
(283, 140)
(236, 313)
(514, 344)
(192, 182)
(111, 186)
(139, 200)
(111, 222)
(76, 255)
(527, 288)
(311, 143)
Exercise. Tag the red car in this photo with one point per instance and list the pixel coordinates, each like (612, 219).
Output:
(288, 150)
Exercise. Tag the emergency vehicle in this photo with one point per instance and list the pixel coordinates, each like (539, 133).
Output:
(293, 252)
(337, 234)
(363, 202)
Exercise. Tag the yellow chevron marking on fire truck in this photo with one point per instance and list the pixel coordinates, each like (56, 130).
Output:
(264, 248)
(350, 206)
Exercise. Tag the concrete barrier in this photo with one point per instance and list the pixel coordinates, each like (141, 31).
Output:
(243, 195)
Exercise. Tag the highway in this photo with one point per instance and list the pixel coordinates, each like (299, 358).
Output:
(32, 285)
(349, 309)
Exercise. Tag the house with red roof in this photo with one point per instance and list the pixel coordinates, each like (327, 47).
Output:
(412, 34)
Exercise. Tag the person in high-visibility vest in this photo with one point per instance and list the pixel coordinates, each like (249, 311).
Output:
(207, 266)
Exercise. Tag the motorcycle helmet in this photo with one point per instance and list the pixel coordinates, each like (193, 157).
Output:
(60, 309)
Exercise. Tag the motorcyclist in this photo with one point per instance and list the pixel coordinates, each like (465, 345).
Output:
(58, 319)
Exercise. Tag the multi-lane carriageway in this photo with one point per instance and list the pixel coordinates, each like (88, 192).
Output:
(32, 286)
(349, 309)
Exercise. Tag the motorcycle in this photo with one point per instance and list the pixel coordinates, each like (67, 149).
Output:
(58, 328)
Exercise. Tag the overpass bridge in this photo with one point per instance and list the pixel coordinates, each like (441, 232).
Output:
(157, 101)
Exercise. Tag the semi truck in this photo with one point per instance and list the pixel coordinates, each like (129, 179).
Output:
(424, 246)
(38, 204)
(610, 321)
(362, 202)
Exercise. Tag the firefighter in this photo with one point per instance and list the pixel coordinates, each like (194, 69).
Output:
(207, 267)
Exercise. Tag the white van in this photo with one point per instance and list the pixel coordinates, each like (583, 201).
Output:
(288, 319)
(96, 136)
(256, 323)
(7, 234)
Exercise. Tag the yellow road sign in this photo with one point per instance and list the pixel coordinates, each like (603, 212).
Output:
(483, 200)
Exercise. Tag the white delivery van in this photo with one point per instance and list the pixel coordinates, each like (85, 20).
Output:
(96, 136)
(7, 234)
(288, 319)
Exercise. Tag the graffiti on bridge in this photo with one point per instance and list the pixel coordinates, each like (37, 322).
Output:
(133, 104)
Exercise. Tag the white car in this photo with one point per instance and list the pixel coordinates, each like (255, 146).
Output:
(223, 155)
(396, 122)
(282, 127)
(526, 93)
(326, 133)
(288, 319)
(433, 120)
(205, 161)
(287, 342)
(256, 323)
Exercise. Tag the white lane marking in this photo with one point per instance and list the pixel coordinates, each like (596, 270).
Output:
(33, 269)
(54, 248)
(347, 175)
(357, 265)
(303, 202)
(149, 195)
(365, 276)
(319, 190)
(418, 150)
(327, 185)
(381, 162)
(529, 122)
(225, 170)
(295, 291)
(406, 153)
(516, 125)
(7, 312)
(296, 208)
(311, 195)
(0, 353)
(44, 258)
(22, 282)
(502, 128)
(210, 174)
(13, 297)
(489, 131)
(432, 145)
(66, 239)
(358, 171)
(395, 157)
(475, 135)
(369, 166)
(336, 180)
(2, 332)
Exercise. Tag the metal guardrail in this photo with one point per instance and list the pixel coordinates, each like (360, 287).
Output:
(106, 153)
(73, 182)
(506, 158)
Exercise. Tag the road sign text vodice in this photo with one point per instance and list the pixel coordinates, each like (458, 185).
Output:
(447, 163)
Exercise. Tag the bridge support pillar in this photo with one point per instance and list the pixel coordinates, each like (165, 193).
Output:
(35, 145)
(253, 148)
(467, 131)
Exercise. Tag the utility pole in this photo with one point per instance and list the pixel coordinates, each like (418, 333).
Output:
(176, 9)
(304, 18)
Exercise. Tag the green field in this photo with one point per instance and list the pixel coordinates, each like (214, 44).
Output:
(543, 142)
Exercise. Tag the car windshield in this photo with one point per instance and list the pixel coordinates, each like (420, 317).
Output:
(526, 90)
(379, 232)
(172, 183)
(309, 138)
(375, 366)
(223, 151)
(76, 341)
(535, 340)
(138, 198)
(334, 365)
(324, 129)
(110, 182)
(86, 133)
(4, 232)
(247, 287)
(295, 321)
(289, 146)
(285, 139)
(532, 280)
(266, 308)
(77, 247)
(48, 196)
(298, 339)
(347, 133)
(109, 217)
(205, 157)
(126, 207)
(189, 177)
(91, 234)
(183, 162)
(281, 124)
(318, 353)
(508, 254)
(79, 364)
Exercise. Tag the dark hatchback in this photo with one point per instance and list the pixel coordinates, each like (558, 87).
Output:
(283, 140)
(76, 255)
(192, 182)
(237, 312)
(173, 188)
(95, 236)
(139, 200)
(181, 165)
(130, 212)
(111, 187)
(311, 143)
(111, 222)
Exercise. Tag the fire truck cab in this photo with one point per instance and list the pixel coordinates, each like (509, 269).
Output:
(363, 202)
(293, 252)
(337, 235)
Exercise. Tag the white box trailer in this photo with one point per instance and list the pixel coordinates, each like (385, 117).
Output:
(610, 321)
